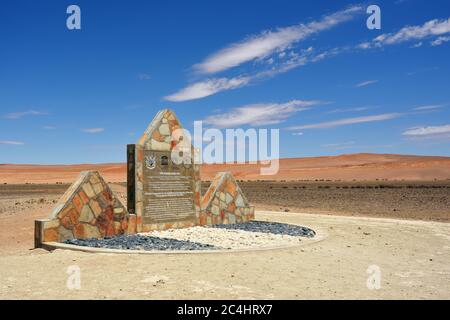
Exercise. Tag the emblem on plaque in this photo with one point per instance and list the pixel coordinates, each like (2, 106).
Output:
(150, 162)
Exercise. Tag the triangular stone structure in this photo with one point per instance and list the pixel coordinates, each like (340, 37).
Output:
(225, 203)
(88, 209)
(154, 208)
(159, 134)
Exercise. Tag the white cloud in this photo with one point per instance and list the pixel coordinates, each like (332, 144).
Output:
(144, 76)
(422, 70)
(430, 28)
(426, 131)
(347, 121)
(286, 59)
(12, 143)
(364, 45)
(325, 54)
(18, 115)
(358, 109)
(440, 40)
(49, 127)
(429, 107)
(207, 88)
(93, 130)
(212, 86)
(417, 45)
(297, 133)
(268, 42)
(259, 49)
(259, 114)
(365, 83)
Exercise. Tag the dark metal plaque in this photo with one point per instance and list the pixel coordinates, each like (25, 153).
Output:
(168, 189)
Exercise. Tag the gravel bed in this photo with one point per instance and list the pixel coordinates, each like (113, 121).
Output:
(140, 242)
(249, 235)
(228, 239)
(269, 227)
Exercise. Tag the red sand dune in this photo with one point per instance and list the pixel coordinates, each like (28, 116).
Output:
(24, 173)
(344, 167)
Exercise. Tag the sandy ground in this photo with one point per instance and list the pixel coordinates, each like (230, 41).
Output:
(421, 200)
(413, 257)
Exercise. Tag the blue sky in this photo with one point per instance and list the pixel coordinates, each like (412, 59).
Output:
(312, 69)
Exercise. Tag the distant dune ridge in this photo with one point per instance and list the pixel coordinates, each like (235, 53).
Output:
(349, 167)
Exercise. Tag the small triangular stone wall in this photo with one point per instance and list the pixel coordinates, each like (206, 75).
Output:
(88, 209)
(225, 203)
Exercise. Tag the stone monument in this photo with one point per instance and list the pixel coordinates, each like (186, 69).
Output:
(163, 190)
(167, 194)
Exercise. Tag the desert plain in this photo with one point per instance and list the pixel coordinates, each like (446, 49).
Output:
(387, 211)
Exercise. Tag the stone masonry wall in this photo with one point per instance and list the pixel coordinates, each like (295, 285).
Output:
(225, 203)
(88, 209)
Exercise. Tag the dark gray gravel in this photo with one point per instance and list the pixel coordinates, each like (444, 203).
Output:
(270, 227)
(148, 243)
(138, 242)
